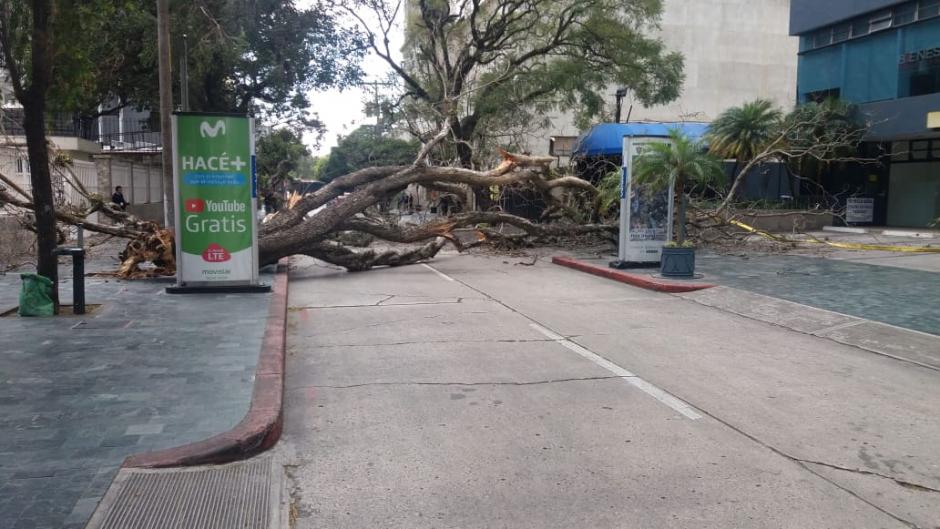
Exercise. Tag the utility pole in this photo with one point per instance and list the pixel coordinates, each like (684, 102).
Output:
(184, 75)
(166, 109)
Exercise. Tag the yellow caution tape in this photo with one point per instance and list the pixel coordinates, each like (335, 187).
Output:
(843, 245)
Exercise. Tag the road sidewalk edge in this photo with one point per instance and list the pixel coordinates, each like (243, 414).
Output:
(638, 280)
(261, 427)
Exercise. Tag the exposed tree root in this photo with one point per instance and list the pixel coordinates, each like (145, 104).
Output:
(156, 247)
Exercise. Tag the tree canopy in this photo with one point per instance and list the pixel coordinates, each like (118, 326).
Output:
(739, 132)
(261, 56)
(489, 66)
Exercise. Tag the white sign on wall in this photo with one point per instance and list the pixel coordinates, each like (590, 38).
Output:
(861, 210)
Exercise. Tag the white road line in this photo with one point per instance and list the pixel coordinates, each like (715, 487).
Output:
(438, 272)
(628, 377)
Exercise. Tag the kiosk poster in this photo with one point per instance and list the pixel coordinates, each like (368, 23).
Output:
(644, 215)
(215, 199)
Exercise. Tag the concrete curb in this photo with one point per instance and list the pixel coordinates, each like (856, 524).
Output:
(638, 280)
(261, 427)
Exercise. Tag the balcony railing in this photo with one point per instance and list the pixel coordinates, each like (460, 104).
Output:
(103, 130)
(11, 120)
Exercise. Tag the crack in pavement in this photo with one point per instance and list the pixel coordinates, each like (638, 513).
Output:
(804, 464)
(533, 383)
(901, 482)
(801, 463)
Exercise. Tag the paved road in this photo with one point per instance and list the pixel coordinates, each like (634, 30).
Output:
(79, 394)
(485, 393)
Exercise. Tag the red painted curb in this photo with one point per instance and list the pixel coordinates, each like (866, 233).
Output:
(637, 280)
(262, 425)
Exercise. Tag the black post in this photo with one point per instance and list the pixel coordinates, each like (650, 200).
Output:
(78, 281)
(621, 93)
(78, 276)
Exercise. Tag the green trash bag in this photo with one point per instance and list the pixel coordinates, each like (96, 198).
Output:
(36, 296)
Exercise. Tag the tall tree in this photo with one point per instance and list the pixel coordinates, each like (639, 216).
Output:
(27, 37)
(740, 132)
(485, 65)
(265, 55)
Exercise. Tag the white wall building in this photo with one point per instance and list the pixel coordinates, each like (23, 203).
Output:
(735, 51)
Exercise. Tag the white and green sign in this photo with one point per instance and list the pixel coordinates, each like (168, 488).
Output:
(216, 200)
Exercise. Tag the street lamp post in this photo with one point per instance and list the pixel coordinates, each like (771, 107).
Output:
(166, 109)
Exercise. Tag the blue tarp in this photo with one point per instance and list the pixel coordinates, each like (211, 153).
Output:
(606, 139)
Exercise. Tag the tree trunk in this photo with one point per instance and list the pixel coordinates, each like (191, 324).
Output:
(34, 124)
(463, 134)
(41, 183)
(679, 211)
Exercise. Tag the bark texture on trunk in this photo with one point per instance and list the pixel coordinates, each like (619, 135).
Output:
(34, 125)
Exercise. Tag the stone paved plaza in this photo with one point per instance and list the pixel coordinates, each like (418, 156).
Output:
(79, 394)
(899, 296)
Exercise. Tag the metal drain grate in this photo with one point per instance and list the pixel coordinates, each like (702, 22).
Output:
(243, 495)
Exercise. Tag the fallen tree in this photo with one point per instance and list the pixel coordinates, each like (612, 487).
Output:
(313, 223)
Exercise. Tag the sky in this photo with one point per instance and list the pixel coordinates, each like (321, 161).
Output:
(342, 111)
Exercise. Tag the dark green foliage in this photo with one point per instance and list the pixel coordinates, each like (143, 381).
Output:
(280, 154)
(740, 132)
(365, 147)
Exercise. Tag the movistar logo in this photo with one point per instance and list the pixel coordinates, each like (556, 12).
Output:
(212, 131)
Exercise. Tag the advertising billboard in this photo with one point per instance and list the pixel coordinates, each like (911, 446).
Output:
(216, 197)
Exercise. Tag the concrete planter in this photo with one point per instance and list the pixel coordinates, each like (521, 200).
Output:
(678, 262)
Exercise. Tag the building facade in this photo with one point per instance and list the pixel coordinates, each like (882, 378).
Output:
(735, 51)
(883, 55)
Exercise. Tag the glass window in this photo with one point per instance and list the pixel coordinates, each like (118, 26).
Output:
(819, 96)
(879, 21)
(822, 38)
(842, 32)
(928, 8)
(860, 28)
(920, 149)
(904, 14)
(806, 42)
(22, 165)
(900, 151)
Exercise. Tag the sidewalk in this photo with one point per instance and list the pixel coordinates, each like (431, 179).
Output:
(79, 394)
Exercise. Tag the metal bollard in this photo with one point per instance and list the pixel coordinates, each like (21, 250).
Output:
(78, 276)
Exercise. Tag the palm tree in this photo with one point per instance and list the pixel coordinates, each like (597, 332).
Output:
(739, 133)
(677, 163)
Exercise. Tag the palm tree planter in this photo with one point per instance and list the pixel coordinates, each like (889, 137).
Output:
(675, 164)
(678, 261)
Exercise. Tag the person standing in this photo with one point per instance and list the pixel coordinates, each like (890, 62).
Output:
(118, 198)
